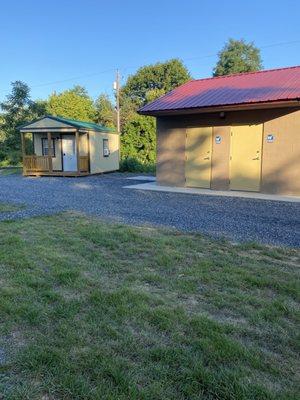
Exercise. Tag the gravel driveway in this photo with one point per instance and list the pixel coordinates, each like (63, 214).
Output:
(104, 196)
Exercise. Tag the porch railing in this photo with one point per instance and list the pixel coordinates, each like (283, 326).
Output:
(36, 163)
(41, 163)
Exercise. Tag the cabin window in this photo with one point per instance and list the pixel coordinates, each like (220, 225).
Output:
(45, 150)
(106, 151)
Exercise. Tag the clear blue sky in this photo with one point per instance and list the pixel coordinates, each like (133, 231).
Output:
(46, 42)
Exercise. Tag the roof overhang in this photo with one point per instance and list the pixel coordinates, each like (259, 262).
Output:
(57, 130)
(232, 107)
(36, 130)
(49, 123)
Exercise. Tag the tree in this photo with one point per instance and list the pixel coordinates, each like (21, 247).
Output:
(138, 140)
(105, 113)
(238, 56)
(155, 79)
(17, 110)
(74, 103)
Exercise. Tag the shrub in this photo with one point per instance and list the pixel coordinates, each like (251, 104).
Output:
(131, 164)
(138, 140)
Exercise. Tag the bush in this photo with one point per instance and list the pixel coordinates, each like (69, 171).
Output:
(10, 157)
(131, 164)
(138, 141)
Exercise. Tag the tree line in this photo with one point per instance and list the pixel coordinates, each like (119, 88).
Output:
(138, 133)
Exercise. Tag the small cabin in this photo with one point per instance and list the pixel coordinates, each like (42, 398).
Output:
(59, 146)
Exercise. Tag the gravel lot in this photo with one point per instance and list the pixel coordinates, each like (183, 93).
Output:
(104, 196)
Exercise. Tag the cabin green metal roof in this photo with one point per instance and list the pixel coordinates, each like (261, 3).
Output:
(82, 124)
(74, 123)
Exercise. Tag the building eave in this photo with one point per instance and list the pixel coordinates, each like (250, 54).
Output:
(232, 107)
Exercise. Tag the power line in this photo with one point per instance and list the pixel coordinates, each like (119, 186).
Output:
(135, 66)
(74, 78)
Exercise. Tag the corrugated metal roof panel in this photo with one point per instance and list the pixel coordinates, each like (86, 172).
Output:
(253, 87)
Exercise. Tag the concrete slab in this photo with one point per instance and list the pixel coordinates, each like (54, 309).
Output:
(207, 192)
(142, 178)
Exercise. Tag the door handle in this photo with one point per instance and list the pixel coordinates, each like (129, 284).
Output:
(256, 158)
(206, 158)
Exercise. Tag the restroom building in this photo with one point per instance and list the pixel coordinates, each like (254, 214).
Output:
(235, 132)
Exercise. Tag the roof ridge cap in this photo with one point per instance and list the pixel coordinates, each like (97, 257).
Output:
(242, 73)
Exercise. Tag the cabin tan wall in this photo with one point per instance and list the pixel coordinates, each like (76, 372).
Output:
(98, 163)
(37, 143)
(83, 144)
(280, 159)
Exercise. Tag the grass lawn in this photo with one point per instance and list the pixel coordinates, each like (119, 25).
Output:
(9, 207)
(10, 171)
(92, 310)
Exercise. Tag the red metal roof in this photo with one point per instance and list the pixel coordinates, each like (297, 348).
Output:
(246, 88)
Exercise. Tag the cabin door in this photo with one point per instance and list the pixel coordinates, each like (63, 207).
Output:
(245, 157)
(198, 157)
(69, 153)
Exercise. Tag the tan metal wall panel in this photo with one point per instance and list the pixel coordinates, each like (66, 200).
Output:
(170, 169)
(280, 163)
(281, 157)
(198, 157)
(220, 158)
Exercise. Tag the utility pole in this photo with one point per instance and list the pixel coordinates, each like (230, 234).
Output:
(117, 89)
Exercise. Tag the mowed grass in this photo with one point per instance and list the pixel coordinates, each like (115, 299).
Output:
(9, 207)
(10, 171)
(92, 310)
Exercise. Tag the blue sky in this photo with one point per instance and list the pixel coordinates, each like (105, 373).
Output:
(47, 44)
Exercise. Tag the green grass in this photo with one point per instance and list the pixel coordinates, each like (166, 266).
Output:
(92, 310)
(10, 171)
(9, 207)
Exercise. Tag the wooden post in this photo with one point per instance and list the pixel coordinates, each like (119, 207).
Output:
(23, 150)
(50, 152)
(77, 151)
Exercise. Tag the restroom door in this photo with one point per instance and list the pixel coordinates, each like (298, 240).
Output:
(198, 157)
(245, 157)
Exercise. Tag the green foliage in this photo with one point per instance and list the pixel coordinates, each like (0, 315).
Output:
(138, 142)
(16, 110)
(105, 113)
(238, 56)
(160, 78)
(131, 164)
(74, 103)
(128, 110)
(154, 94)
